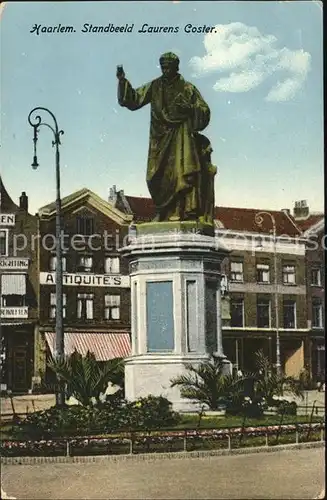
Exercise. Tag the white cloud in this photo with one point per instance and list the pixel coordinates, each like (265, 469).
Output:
(239, 82)
(284, 91)
(246, 58)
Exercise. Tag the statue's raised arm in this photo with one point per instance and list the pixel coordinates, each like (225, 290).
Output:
(131, 98)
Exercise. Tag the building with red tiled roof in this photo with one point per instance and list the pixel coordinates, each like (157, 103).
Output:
(143, 209)
(231, 218)
(313, 227)
(249, 317)
(18, 293)
(243, 220)
(96, 288)
(302, 216)
(311, 221)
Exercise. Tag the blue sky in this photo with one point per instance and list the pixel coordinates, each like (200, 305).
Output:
(261, 73)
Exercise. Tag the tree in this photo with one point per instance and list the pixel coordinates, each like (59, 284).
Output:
(85, 378)
(207, 384)
(267, 383)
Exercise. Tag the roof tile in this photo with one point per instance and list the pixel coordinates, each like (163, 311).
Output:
(232, 218)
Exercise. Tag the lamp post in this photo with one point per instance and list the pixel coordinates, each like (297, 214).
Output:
(259, 218)
(35, 121)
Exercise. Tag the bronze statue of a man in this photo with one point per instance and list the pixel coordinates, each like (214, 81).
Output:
(178, 112)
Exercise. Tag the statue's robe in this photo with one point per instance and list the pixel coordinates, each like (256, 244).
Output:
(173, 171)
(208, 172)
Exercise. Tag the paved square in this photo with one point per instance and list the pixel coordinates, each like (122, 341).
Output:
(275, 475)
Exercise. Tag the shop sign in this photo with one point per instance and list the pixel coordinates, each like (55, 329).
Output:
(13, 263)
(100, 280)
(14, 312)
(7, 219)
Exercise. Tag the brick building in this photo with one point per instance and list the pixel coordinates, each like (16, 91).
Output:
(96, 294)
(18, 293)
(313, 227)
(248, 311)
(250, 271)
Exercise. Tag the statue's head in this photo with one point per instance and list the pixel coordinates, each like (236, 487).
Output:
(169, 64)
(204, 146)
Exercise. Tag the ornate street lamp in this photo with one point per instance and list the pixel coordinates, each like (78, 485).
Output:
(259, 218)
(35, 121)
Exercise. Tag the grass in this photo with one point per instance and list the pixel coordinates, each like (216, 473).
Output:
(192, 421)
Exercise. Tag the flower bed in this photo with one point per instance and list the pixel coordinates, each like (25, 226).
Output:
(164, 441)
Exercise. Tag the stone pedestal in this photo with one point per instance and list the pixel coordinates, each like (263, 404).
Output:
(175, 307)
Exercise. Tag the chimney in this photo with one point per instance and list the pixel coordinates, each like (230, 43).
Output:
(301, 210)
(112, 195)
(23, 202)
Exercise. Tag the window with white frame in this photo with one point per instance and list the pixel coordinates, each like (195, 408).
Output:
(3, 242)
(53, 305)
(112, 306)
(316, 276)
(263, 273)
(85, 263)
(111, 265)
(224, 285)
(289, 274)
(53, 263)
(289, 313)
(85, 306)
(237, 312)
(236, 271)
(263, 312)
(317, 313)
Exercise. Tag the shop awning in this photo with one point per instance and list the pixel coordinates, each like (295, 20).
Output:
(13, 284)
(104, 345)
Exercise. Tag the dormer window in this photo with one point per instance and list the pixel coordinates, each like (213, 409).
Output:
(85, 225)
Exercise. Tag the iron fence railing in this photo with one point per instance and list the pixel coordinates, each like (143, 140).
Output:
(163, 441)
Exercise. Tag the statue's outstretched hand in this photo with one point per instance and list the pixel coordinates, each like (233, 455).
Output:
(120, 73)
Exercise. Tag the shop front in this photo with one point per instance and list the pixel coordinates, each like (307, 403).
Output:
(240, 349)
(318, 359)
(17, 355)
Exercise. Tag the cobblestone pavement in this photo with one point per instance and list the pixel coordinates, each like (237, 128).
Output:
(291, 474)
(309, 398)
(27, 403)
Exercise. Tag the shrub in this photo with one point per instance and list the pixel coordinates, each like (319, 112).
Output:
(113, 415)
(246, 407)
(71, 420)
(286, 407)
(154, 412)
